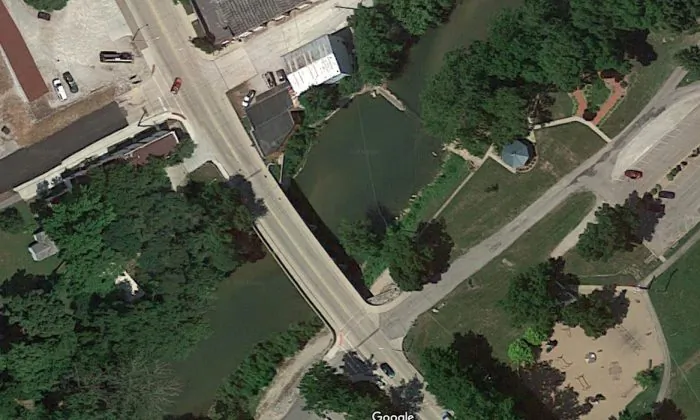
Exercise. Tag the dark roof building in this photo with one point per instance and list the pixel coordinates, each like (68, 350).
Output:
(226, 20)
(272, 119)
(159, 145)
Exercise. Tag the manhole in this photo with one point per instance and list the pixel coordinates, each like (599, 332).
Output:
(5, 130)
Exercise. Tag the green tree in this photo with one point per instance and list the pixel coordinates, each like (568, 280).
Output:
(318, 101)
(11, 220)
(380, 42)
(535, 336)
(407, 259)
(648, 378)
(359, 240)
(689, 58)
(615, 229)
(47, 5)
(296, 149)
(417, 16)
(184, 150)
(325, 390)
(350, 85)
(593, 312)
(521, 353)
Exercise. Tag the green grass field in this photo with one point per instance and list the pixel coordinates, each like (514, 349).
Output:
(475, 213)
(13, 250)
(473, 305)
(676, 298)
(563, 105)
(207, 172)
(596, 93)
(624, 268)
(645, 82)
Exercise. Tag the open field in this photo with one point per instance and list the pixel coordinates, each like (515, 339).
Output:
(13, 250)
(563, 106)
(645, 82)
(676, 297)
(474, 213)
(474, 304)
(623, 269)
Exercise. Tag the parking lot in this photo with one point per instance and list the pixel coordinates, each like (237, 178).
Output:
(71, 41)
(662, 145)
(262, 52)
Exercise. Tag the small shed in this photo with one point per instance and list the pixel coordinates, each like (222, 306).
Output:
(516, 154)
(42, 247)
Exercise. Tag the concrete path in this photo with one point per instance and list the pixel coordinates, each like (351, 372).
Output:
(575, 118)
(572, 238)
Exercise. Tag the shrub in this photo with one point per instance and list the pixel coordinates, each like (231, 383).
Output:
(11, 220)
(47, 5)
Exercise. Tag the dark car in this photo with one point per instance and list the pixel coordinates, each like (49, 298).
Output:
(116, 57)
(388, 370)
(44, 15)
(269, 79)
(281, 76)
(72, 86)
(667, 194)
(633, 174)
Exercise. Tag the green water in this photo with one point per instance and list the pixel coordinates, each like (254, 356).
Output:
(371, 154)
(255, 303)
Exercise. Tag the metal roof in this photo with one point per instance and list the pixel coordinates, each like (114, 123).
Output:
(271, 120)
(224, 17)
(516, 154)
(311, 64)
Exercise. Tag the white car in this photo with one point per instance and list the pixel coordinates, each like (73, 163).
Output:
(247, 98)
(60, 90)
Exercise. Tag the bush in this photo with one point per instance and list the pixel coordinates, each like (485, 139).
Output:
(521, 353)
(47, 5)
(318, 102)
(11, 220)
(535, 336)
(648, 378)
(183, 150)
(350, 85)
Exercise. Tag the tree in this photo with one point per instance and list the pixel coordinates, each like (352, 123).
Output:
(205, 45)
(535, 336)
(532, 299)
(407, 259)
(615, 230)
(326, 390)
(648, 378)
(417, 16)
(184, 150)
(359, 240)
(318, 101)
(380, 42)
(593, 312)
(11, 220)
(521, 353)
(47, 5)
(689, 58)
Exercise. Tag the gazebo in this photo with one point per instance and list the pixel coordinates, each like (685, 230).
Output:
(516, 154)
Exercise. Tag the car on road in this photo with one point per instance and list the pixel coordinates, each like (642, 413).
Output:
(44, 15)
(388, 370)
(60, 90)
(72, 86)
(667, 194)
(175, 88)
(633, 174)
(248, 98)
(116, 57)
(281, 76)
(269, 79)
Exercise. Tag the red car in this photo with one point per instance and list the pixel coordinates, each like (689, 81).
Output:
(633, 174)
(175, 88)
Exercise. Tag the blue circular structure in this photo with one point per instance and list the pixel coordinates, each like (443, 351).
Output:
(516, 154)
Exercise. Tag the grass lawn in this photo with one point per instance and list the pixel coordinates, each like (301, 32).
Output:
(473, 305)
(563, 105)
(13, 250)
(207, 172)
(644, 82)
(643, 402)
(676, 297)
(624, 268)
(596, 93)
(691, 77)
(474, 214)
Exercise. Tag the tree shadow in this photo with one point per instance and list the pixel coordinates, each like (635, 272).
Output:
(563, 285)
(434, 235)
(636, 47)
(22, 283)
(547, 383)
(619, 303)
(255, 205)
(408, 396)
(380, 219)
(188, 416)
(357, 368)
(650, 210)
(541, 111)
(667, 410)
(329, 241)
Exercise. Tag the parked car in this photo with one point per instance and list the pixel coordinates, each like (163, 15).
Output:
(388, 370)
(281, 76)
(72, 86)
(248, 98)
(175, 88)
(44, 15)
(116, 57)
(633, 174)
(269, 79)
(60, 90)
(667, 194)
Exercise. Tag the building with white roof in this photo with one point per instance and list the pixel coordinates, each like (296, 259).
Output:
(324, 60)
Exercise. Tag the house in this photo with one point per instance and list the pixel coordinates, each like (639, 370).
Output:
(42, 247)
(130, 288)
(228, 20)
(273, 120)
(326, 59)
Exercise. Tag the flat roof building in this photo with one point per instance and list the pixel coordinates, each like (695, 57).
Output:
(326, 59)
(273, 119)
(226, 20)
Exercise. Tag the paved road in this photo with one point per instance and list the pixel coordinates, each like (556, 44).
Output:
(220, 136)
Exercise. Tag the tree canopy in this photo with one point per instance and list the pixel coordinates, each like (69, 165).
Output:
(11, 220)
(595, 312)
(689, 58)
(47, 5)
(74, 345)
(318, 101)
(615, 229)
(417, 16)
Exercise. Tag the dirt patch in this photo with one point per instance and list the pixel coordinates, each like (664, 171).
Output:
(692, 361)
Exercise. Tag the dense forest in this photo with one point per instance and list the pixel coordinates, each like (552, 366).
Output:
(76, 346)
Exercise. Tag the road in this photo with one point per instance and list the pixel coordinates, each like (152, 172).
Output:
(220, 136)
